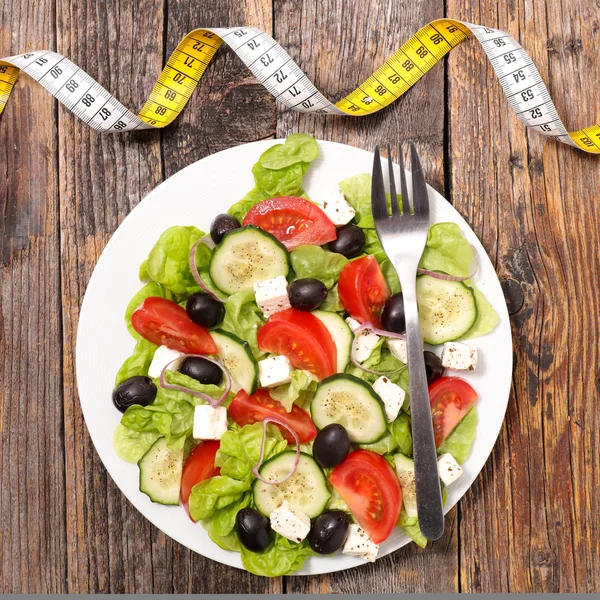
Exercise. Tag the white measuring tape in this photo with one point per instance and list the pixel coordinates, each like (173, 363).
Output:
(275, 69)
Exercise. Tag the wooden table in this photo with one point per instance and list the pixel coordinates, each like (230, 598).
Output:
(530, 521)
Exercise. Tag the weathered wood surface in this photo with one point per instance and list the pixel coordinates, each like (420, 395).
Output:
(529, 522)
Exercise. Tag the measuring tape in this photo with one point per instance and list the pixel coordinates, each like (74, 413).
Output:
(276, 70)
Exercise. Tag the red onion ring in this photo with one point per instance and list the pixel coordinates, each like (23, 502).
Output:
(256, 467)
(382, 332)
(208, 241)
(447, 277)
(181, 388)
(359, 366)
(196, 275)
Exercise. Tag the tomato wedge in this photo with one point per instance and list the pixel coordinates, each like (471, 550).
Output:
(245, 410)
(293, 221)
(370, 488)
(363, 290)
(200, 465)
(451, 399)
(165, 323)
(303, 339)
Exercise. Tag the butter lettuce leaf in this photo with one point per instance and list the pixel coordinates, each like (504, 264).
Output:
(138, 363)
(243, 318)
(316, 263)
(460, 441)
(280, 558)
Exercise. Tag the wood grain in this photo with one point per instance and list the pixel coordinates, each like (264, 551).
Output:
(32, 475)
(525, 525)
(338, 44)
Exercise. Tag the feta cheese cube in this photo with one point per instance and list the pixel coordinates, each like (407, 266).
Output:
(392, 395)
(335, 206)
(458, 356)
(209, 423)
(448, 469)
(272, 296)
(358, 543)
(290, 522)
(398, 349)
(275, 370)
(162, 357)
(363, 343)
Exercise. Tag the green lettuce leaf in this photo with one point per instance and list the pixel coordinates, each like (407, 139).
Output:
(243, 318)
(332, 302)
(131, 445)
(400, 430)
(460, 441)
(487, 317)
(447, 250)
(143, 272)
(410, 526)
(315, 262)
(385, 445)
(239, 450)
(280, 558)
(168, 261)
(300, 390)
(138, 363)
(357, 191)
(298, 148)
(216, 493)
(151, 289)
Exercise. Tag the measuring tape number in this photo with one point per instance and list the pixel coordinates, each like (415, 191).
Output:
(275, 69)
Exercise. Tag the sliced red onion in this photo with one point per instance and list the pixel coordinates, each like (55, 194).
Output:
(381, 332)
(446, 277)
(196, 275)
(359, 366)
(256, 467)
(181, 388)
(208, 241)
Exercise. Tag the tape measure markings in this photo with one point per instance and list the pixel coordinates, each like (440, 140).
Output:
(282, 77)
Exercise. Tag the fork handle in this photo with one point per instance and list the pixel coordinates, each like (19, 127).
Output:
(429, 497)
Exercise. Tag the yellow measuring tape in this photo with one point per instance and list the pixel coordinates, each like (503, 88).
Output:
(276, 70)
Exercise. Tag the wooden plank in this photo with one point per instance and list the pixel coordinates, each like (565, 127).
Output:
(101, 179)
(525, 524)
(229, 108)
(338, 44)
(32, 478)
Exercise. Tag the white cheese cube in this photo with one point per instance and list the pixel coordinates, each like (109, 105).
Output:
(398, 349)
(273, 371)
(290, 522)
(272, 296)
(209, 423)
(358, 543)
(392, 395)
(162, 357)
(335, 206)
(448, 469)
(458, 356)
(363, 342)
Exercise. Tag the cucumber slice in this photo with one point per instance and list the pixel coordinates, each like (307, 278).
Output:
(246, 256)
(306, 489)
(238, 359)
(447, 309)
(160, 473)
(352, 403)
(405, 467)
(340, 332)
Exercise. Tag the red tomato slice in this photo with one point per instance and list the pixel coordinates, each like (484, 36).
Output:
(305, 349)
(314, 327)
(165, 323)
(370, 488)
(451, 399)
(293, 221)
(245, 410)
(363, 290)
(199, 466)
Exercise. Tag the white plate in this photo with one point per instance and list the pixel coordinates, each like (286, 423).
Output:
(193, 197)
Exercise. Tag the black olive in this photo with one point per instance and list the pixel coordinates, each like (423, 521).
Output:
(329, 532)
(331, 446)
(433, 366)
(204, 309)
(350, 241)
(307, 294)
(202, 370)
(221, 225)
(135, 390)
(253, 529)
(392, 317)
